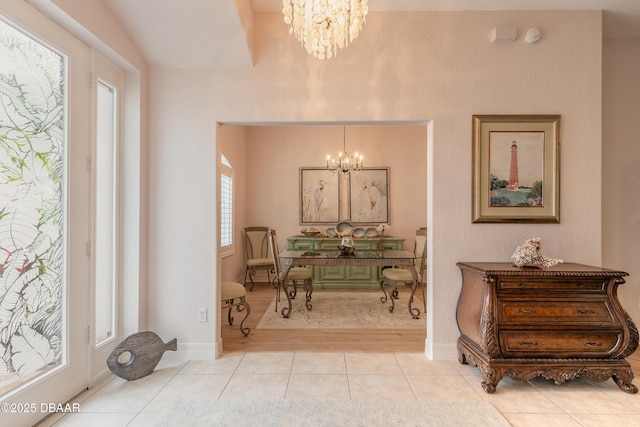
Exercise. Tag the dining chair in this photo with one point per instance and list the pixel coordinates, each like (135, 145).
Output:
(393, 277)
(256, 252)
(298, 276)
(234, 295)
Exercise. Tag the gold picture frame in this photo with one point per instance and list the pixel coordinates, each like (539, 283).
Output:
(516, 169)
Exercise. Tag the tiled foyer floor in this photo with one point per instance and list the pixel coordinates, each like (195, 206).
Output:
(283, 375)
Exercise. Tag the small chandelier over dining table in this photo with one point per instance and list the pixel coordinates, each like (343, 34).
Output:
(345, 162)
(323, 26)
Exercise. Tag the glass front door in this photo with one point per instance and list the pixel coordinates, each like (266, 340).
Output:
(44, 226)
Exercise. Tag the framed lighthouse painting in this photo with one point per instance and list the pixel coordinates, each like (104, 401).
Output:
(516, 168)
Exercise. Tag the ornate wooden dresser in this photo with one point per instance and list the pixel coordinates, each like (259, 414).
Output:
(560, 323)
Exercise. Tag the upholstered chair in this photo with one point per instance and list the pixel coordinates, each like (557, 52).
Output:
(394, 277)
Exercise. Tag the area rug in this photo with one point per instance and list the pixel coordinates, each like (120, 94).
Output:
(334, 413)
(343, 310)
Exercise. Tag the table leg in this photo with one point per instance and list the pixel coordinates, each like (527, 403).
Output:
(286, 311)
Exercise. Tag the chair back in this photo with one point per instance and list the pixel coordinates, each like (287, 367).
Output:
(256, 242)
(273, 248)
(420, 249)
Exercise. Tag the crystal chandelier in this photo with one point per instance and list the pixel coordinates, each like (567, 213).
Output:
(323, 26)
(345, 162)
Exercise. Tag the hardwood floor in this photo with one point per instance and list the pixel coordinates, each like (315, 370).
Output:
(318, 340)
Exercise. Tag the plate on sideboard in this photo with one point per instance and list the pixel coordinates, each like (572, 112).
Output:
(344, 228)
(359, 232)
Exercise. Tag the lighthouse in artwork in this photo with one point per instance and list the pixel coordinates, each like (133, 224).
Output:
(513, 173)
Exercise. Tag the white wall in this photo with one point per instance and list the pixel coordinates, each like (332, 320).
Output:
(621, 167)
(404, 67)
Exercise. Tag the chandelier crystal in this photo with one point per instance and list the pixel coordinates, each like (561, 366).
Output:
(345, 162)
(323, 26)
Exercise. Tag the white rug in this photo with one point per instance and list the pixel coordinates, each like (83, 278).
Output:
(334, 413)
(344, 310)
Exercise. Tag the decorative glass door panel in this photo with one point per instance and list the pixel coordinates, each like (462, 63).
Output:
(44, 211)
(32, 172)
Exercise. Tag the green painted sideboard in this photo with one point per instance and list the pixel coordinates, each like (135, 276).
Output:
(345, 277)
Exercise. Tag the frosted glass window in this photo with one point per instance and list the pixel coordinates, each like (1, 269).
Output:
(32, 208)
(105, 240)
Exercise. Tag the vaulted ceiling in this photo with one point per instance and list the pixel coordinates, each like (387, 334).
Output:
(210, 34)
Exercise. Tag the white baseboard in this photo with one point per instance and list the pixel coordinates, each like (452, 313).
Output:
(192, 351)
(441, 351)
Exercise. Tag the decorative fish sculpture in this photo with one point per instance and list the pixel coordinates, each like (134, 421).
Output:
(145, 350)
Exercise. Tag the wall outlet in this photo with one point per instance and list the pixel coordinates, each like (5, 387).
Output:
(202, 315)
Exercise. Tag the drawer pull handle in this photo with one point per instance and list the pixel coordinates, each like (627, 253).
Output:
(522, 310)
(592, 344)
(580, 285)
(528, 344)
(522, 285)
(588, 311)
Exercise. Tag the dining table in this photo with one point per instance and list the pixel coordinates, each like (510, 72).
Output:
(382, 258)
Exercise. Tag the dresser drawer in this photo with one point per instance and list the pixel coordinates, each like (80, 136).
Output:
(329, 245)
(551, 286)
(560, 344)
(303, 245)
(518, 312)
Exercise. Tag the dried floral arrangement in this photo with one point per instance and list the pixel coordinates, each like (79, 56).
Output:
(382, 227)
(528, 254)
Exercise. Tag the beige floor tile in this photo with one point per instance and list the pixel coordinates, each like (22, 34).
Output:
(118, 419)
(125, 396)
(611, 388)
(608, 420)
(467, 370)
(539, 420)
(319, 363)
(442, 387)
(380, 387)
(580, 396)
(146, 419)
(518, 397)
(419, 364)
(318, 386)
(378, 364)
(168, 366)
(188, 387)
(266, 363)
(256, 386)
(227, 364)
(357, 376)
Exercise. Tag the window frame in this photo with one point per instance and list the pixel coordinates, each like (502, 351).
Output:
(226, 170)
